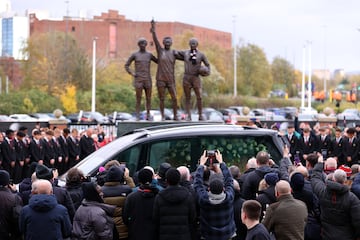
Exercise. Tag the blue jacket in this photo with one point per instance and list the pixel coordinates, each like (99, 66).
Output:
(355, 187)
(44, 219)
(216, 220)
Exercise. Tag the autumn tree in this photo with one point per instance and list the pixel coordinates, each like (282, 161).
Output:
(254, 72)
(68, 99)
(54, 60)
(283, 75)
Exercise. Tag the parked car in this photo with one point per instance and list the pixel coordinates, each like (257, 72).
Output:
(181, 144)
(20, 117)
(230, 116)
(121, 116)
(349, 114)
(239, 110)
(210, 114)
(5, 118)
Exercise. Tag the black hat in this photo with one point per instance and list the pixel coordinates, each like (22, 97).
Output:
(4, 178)
(271, 178)
(163, 168)
(43, 172)
(172, 176)
(216, 186)
(115, 174)
(90, 193)
(145, 176)
(297, 181)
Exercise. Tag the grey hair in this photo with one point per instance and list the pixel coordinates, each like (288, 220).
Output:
(339, 176)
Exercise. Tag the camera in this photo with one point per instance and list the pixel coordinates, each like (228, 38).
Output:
(210, 154)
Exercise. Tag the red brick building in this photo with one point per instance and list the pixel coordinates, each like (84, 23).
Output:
(117, 36)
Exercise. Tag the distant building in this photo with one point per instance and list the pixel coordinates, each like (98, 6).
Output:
(15, 32)
(117, 36)
(339, 74)
(323, 74)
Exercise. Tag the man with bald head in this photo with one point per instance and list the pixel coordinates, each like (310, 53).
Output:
(44, 218)
(340, 208)
(287, 217)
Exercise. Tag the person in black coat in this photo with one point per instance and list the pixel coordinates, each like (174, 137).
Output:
(87, 145)
(74, 148)
(340, 208)
(351, 147)
(338, 147)
(138, 209)
(36, 149)
(62, 139)
(174, 210)
(74, 179)
(324, 142)
(9, 229)
(50, 151)
(307, 144)
(238, 203)
(8, 152)
(267, 195)
(302, 190)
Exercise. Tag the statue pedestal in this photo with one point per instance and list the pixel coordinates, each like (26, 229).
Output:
(325, 121)
(243, 120)
(58, 123)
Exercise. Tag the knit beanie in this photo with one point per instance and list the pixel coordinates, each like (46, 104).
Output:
(115, 174)
(145, 176)
(163, 169)
(297, 181)
(271, 179)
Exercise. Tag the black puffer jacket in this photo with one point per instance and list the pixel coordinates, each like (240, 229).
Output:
(340, 208)
(174, 214)
(138, 211)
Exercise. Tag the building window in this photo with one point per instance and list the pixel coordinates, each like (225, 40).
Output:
(73, 29)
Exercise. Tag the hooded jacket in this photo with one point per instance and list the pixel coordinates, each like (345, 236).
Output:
(340, 208)
(44, 219)
(138, 211)
(93, 220)
(174, 213)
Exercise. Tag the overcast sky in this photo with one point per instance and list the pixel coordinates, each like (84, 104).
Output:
(279, 27)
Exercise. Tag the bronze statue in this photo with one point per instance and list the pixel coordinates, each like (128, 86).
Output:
(165, 75)
(193, 60)
(142, 76)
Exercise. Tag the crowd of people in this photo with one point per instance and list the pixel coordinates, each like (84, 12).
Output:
(54, 148)
(308, 194)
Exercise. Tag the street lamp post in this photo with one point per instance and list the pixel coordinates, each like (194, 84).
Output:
(93, 76)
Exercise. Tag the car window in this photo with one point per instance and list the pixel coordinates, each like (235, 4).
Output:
(236, 150)
(130, 157)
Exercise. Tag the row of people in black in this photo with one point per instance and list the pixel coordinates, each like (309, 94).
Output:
(343, 145)
(60, 149)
